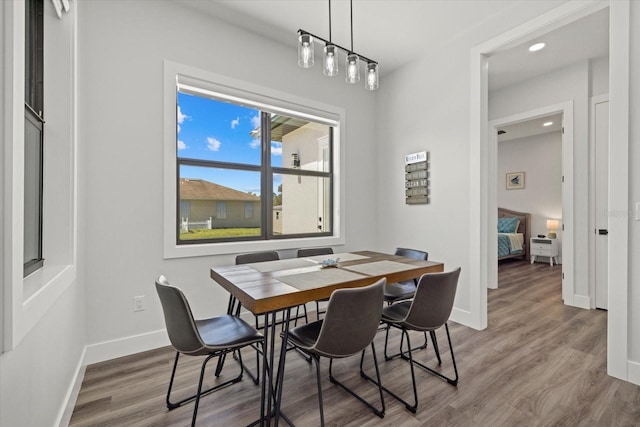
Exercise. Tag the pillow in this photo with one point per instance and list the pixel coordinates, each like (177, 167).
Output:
(508, 225)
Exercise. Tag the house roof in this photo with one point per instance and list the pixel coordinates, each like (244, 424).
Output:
(199, 189)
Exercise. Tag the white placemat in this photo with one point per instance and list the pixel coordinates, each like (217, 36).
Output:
(283, 264)
(346, 256)
(319, 278)
(379, 268)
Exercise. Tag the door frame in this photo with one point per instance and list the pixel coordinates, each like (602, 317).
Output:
(598, 99)
(480, 225)
(566, 108)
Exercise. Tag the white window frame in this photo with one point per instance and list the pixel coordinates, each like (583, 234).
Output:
(286, 103)
(28, 299)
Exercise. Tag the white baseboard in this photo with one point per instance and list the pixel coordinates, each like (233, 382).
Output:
(108, 350)
(70, 398)
(633, 370)
(463, 317)
(581, 301)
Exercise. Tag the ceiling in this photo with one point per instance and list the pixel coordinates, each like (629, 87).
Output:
(396, 32)
(531, 127)
(578, 41)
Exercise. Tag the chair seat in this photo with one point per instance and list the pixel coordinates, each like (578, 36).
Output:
(396, 313)
(226, 332)
(399, 290)
(305, 336)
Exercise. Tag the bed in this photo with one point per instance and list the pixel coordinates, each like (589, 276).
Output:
(514, 232)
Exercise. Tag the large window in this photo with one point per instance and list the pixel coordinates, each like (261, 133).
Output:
(247, 170)
(33, 136)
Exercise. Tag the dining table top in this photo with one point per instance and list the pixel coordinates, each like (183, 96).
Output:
(269, 286)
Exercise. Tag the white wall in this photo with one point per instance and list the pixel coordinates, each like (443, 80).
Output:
(425, 106)
(634, 190)
(121, 116)
(540, 158)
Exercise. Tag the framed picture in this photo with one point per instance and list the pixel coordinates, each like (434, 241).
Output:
(515, 180)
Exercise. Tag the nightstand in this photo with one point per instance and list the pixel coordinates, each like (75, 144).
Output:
(543, 247)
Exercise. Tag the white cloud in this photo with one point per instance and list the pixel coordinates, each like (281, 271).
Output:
(255, 121)
(213, 144)
(255, 143)
(235, 122)
(182, 145)
(182, 117)
(276, 148)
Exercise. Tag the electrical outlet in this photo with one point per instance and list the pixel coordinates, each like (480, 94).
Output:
(138, 303)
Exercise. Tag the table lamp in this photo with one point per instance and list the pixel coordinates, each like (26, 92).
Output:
(552, 226)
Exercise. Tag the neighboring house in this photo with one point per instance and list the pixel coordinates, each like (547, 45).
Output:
(277, 219)
(228, 208)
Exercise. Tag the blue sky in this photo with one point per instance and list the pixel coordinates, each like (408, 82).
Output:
(215, 130)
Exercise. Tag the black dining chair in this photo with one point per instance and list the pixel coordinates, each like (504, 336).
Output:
(398, 291)
(303, 253)
(210, 337)
(405, 289)
(428, 311)
(348, 328)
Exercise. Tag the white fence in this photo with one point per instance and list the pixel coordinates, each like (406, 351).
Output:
(195, 225)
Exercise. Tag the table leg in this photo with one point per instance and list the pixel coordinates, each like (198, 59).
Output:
(281, 363)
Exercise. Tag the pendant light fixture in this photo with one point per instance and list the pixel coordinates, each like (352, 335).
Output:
(330, 67)
(330, 60)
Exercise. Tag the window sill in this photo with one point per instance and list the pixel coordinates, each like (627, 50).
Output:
(184, 251)
(48, 276)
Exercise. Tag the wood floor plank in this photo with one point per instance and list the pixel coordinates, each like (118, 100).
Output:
(539, 363)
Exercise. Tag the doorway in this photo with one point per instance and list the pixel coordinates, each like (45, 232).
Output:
(481, 221)
(538, 198)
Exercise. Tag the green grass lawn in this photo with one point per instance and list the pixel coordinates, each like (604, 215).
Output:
(219, 233)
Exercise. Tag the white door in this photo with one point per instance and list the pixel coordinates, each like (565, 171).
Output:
(601, 121)
(323, 190)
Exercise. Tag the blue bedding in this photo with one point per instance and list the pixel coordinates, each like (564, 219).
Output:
(504, 246)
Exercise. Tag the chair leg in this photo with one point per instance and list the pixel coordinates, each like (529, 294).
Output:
(378, 412)
(233, 308)
(413, 408)
(319, 382)
(172, 405)
(452, 381)
(435, 344)
(401, 352)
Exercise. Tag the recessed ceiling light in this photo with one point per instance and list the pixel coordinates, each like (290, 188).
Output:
(547, 124)
(536, 47)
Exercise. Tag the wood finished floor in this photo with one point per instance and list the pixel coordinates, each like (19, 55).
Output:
(539, 363)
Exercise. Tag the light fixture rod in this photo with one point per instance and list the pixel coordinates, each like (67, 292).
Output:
(351, 5)
(364, 58)
(329, 21)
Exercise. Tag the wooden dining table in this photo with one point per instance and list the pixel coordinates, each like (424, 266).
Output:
(273, 287)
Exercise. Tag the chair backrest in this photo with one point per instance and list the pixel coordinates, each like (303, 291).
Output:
(257, 257)
(412, 253)
(178, 318)
(314, 251)
(351, 321)
(433, 300)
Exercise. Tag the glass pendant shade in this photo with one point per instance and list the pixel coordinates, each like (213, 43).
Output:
(371, 81)
(330, 60)
(353, 68)
(305, 51)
